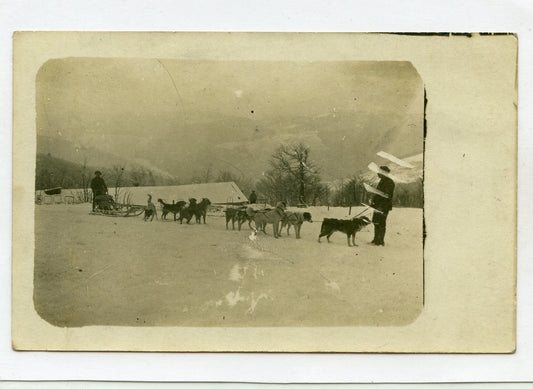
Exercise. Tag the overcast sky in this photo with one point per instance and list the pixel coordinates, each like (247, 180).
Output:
(146, 108)
(132, 95)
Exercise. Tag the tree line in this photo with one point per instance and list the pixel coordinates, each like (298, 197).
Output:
(292, 177)
(352, 192)
(53, 172)
(295, 179)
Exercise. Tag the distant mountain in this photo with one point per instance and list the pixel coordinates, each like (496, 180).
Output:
(342, 143)
(53, 172)
(93, 156)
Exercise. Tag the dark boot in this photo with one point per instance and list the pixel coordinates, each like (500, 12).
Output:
(381, 240)
(376, 234)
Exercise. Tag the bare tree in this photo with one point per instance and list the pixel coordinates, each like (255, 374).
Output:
(350, 192)
(117, 178)
(293, 177)
(208, 173)
(85, 180)
(203, 176)
(226, 176)
(293, 160)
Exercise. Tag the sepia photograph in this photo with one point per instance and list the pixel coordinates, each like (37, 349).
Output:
(274, 192)
(217, 193)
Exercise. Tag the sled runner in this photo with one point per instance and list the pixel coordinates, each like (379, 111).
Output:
(106, 206)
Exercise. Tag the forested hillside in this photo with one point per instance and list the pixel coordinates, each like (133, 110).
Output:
(52, 172)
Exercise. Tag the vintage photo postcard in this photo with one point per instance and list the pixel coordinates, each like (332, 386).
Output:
(264, 192)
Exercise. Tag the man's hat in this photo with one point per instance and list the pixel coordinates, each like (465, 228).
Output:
(98, 173)
(385, 168)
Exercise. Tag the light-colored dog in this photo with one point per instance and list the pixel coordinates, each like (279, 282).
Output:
(262, 218)
(295, 219)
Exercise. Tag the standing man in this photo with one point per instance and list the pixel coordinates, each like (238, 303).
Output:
(253, 197)
(383, 205)
(98, 186)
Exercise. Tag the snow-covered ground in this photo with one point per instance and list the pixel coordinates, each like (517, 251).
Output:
(97, 270)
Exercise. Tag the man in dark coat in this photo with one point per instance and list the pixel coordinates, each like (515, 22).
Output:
(253, 197)
(98, 186)
(382, 204)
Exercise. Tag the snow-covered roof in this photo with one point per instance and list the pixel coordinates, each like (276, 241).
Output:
(217, 192)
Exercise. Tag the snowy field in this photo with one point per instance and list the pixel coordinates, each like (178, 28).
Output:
(97, 270)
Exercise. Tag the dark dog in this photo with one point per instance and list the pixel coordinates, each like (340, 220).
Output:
(349, 227)
(149, 214)
(243, 217)
(150, 210)
(198, 210)
(295, 219)
(201, 210)
(188, 211)
(171, 208)
(231, 215)
(239, 215)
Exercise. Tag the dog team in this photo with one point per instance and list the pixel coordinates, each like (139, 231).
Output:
(280, 218)
(181, 210)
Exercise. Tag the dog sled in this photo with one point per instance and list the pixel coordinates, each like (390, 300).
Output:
(105, 205)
